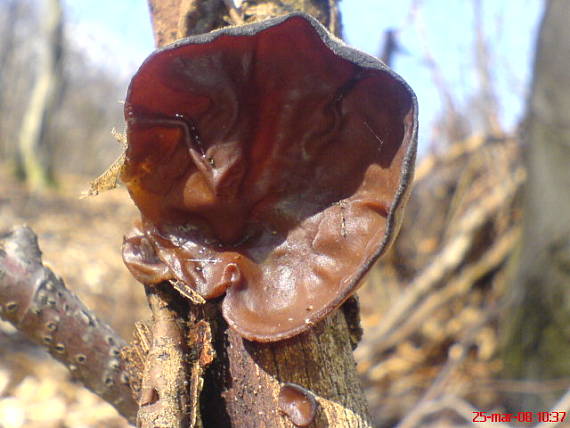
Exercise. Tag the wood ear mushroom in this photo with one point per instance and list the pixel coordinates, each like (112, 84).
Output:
(298, 404)
(270, 163)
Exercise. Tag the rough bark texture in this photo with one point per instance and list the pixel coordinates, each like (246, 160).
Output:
(175, 19)
(39, 305)
(243, 384)
(538, 325)
(164, 391)
(250, 375)
(326, 11)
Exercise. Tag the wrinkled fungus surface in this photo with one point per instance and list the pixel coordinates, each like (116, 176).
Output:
(271, 163)
(298, 404)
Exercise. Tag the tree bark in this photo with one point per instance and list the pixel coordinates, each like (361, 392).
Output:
(243, 383)
(164, 390)
(39, 305)
(175, 19)
(247, 377)
(538, 324)
(34, 155)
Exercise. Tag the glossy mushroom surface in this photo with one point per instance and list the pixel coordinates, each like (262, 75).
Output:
(298, 404)
(270, 162)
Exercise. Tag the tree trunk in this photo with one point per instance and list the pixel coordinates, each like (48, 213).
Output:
(538, 324)
(243, 384)
(246, 378)
(34, 155)
(11, 12)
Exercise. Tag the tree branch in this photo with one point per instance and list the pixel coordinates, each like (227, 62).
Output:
(164, 395)
(39, 305)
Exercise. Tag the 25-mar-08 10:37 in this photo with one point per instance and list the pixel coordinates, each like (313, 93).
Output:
(519, 417)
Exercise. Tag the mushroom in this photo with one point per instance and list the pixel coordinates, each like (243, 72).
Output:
(270, 163)
(298, 404)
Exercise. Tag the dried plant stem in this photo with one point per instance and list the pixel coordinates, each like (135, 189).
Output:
(449, 258)
(39, 305)
(164, 397)
(459, 285)
(457, 354)
(454, 152)
(234, 13)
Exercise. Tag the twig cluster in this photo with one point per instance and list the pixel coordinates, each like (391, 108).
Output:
(438, 336)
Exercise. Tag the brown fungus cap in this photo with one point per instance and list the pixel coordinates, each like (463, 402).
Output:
(298, 404)
(270, 162)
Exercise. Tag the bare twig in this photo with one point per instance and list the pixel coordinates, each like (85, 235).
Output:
(524, 386)
(457, 354)
(489, 102)
(455, 120)
(462, 408)
(234, 13)
(39, 305)
(456, 151)
(449, 258)
(457, 286)
(467, 411)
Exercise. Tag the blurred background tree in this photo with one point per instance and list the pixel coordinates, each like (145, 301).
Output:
(56, 109)
(537, 327)
(35, 158)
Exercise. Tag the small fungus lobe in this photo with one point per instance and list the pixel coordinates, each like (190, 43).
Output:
(298, 404)
(270, 163)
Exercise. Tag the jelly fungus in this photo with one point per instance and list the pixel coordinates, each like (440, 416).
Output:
(298, 404)
(271, 164)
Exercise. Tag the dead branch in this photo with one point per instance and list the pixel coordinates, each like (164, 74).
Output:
(172, 356)
(467, 411)
(455, 123)
(39, 305)
(250, 376)
(524, 386)
(489, 103)
(456, 286)
(457, 354)
(461, 407)
(175, 19)
(453, 153)
(164, 396)
(448, 259)
(235, 14)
